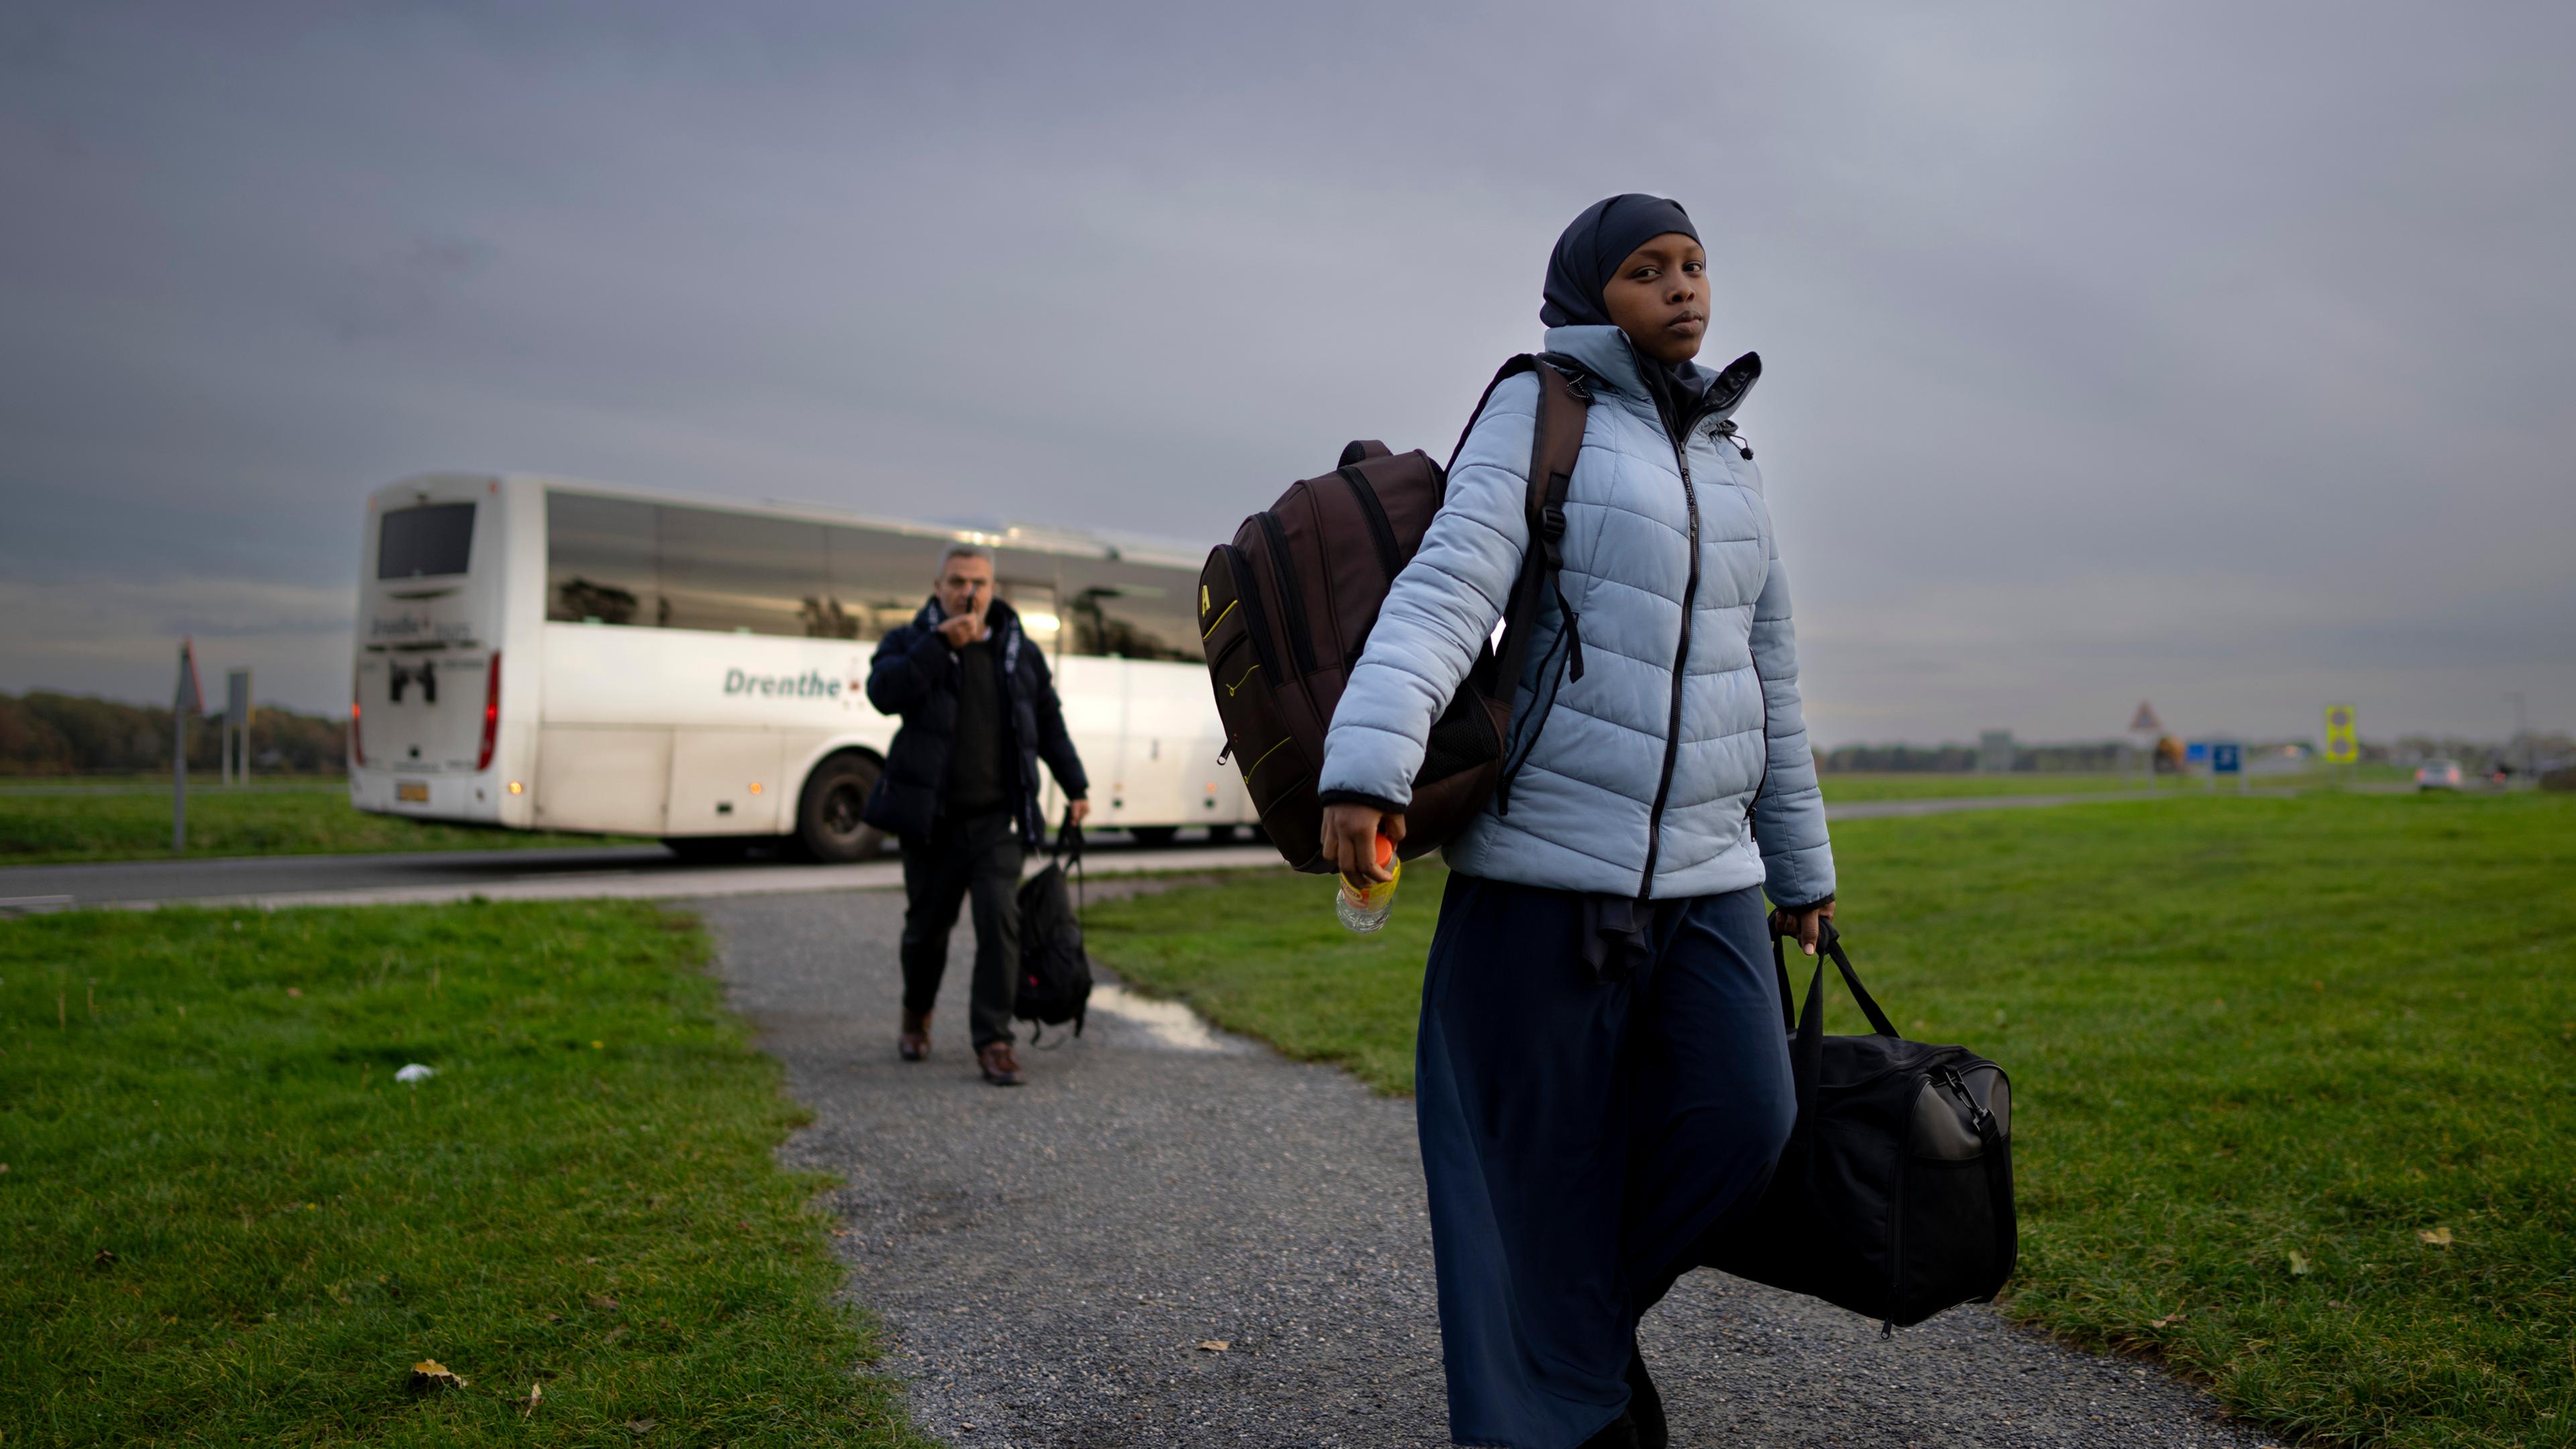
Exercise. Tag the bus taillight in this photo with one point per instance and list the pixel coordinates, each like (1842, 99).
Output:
(357, 742)
(491, 713)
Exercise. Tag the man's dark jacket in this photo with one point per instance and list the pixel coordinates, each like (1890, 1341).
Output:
(914, 675)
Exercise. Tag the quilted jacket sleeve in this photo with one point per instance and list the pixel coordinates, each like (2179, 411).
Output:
(1789, 814)
(910, 662)
(1055, 743)
(1442, 609)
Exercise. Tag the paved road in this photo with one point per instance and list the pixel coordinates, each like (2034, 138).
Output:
(1050, 1260)
(636, 872)
(646, 872)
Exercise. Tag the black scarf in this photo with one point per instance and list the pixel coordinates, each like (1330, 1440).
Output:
(1588, 255)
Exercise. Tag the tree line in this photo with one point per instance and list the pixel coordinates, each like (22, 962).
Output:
(44, 733)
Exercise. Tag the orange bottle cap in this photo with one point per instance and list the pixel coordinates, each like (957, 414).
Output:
(1385, 850)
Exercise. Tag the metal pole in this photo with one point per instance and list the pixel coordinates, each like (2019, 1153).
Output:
(178, 779)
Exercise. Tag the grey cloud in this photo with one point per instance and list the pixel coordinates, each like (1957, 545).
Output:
(2078, 320)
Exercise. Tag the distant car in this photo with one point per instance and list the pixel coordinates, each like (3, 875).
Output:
(2437, 775)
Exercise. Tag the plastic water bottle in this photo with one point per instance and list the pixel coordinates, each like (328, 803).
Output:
(1365, 909)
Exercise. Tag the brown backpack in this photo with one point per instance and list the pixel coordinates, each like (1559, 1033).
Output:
(1285, 609)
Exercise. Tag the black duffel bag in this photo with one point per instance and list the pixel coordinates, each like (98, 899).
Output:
(1894, 1196)
(1055, 971)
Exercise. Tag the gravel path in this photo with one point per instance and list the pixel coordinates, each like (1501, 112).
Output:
(1050, 1261)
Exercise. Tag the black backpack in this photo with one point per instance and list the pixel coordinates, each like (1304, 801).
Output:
(1894, 1197)
(1055, 972)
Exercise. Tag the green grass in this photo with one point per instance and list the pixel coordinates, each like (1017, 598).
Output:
(2260, 1047)
(222, 1222)
(52, 824)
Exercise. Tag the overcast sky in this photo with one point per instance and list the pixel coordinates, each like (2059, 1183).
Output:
(2217, 355)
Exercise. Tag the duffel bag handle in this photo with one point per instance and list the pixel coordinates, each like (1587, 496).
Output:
(1829, 946)
(1807, 1030)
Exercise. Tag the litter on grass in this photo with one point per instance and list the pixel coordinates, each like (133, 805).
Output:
(429, 1374)
(415, 1073)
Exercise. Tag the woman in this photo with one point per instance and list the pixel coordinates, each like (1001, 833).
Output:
(1601, 1072)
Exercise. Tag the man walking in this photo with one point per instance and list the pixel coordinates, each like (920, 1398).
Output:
(960, 789)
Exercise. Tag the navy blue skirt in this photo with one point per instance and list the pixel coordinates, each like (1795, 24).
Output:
(1583, 1133)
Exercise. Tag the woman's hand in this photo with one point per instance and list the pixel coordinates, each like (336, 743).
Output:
(1350, 840)
(1802, 924)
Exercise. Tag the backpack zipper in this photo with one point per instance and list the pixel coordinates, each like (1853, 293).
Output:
(1381, 532)
(1301, 642)
(1256, 621)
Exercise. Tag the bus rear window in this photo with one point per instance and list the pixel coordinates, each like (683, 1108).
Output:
(424, 542)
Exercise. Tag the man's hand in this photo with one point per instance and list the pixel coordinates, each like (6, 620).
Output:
(1080, 810)
(962, 630)
(1802, 924)
(1350, 840)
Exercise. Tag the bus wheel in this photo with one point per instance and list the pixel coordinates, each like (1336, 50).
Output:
(827, 815)
(1154, 837)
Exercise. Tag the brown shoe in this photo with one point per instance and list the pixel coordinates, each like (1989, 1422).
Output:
(913, 1044)
(1001, 1064)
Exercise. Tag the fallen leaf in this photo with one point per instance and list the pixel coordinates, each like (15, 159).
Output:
(2298, 1264)
(2168, 1320)
(1215, 1345)
(603, 1303)
(295, 991)
(639, 1426)
(429, 1374)
(536, 1396)
(106, 1257)
(2438, 1237)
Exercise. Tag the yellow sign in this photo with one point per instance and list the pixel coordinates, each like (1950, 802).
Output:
(2341, 747)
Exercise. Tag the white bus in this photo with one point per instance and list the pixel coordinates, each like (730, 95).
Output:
(545, 654)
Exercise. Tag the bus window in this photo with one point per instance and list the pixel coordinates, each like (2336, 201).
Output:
(425, 542)
(1128, 611)
(879, 580)
(600, 561)
(1034, 601)
(739, 573)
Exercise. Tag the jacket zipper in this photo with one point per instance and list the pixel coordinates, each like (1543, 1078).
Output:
(1283, 568)
(1681, 670)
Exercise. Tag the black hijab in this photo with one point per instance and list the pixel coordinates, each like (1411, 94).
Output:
(1588, 255)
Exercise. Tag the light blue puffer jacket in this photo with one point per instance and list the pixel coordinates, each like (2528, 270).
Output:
(1583, 814)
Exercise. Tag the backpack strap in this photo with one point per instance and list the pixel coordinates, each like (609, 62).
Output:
(1556, 442)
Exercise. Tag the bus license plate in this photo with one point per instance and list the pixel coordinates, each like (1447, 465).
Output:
(415, 790)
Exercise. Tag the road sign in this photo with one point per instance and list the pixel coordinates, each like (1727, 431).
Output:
(2226, 757)
(236, 725)
(2196, 753)
(2144, 721)
(2342, 746)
